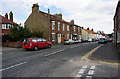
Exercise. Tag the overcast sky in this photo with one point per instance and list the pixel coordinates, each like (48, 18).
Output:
(96, 14)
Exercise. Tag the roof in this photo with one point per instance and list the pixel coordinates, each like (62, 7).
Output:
(55, 18)
(90, 31)
(4, 20)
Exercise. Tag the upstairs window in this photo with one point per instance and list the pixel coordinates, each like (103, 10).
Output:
(63, 27)
(68, 28)
(58, 25)
(74, 29)
(78, 29)
(53, 25)
(3, 26)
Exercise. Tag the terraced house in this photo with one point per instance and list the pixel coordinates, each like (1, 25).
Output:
(54, 28)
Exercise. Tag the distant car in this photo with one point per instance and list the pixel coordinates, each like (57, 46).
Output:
(96, 39)
(36, 43)
(68, 41)
(84, 40)
(110, 39)
(76, 41)
(102, 40)
(90, 40)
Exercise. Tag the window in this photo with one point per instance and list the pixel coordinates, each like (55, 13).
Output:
(39, 40)
(67, 36)
(58, 25)
(43, 40)
(53, 25)
(53, 37)
(26, 40)
(74, 29)
(34, 40)
(63, 27)
(3, 26)
(68, 28)
(78, 29)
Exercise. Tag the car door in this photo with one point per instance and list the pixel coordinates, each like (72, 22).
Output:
(40, 43)
(44, 43)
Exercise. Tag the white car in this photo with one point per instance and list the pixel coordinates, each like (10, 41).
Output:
(68, 41)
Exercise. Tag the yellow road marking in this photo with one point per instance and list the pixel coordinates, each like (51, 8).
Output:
(92, 51)
(109, 63)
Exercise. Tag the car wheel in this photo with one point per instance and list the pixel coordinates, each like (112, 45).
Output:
(49, 46)
(35, 48)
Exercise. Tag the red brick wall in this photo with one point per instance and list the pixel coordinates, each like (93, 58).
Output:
(12, 44)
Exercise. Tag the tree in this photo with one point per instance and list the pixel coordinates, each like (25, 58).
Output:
(18, 33)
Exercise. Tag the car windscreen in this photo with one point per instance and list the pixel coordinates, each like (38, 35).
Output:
(26, 40)
(66, 40)
(102, 38)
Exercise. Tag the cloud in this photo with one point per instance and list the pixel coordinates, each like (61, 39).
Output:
(96, 14)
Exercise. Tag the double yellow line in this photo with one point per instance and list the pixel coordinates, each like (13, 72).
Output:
(92, 51)
(89, 53)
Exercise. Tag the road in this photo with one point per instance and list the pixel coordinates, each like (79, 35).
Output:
(75, 61)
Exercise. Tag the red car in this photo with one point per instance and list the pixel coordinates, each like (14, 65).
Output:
(35, 43)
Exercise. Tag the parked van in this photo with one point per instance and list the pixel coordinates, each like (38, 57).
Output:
(36, 43)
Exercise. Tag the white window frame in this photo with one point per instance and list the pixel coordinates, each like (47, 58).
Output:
(53, 25)
(58, 25)
(68, 28)
(53, 39)
(63, 27)
(74, 28)
(78, 29)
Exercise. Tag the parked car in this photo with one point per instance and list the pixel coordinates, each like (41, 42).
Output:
(36, 43)
(96, 39)
(102, 40)
(90, 40)
(84, 40)
(68, 41)
(76, 41)
(110, 39)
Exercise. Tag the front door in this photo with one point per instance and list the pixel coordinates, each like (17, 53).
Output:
(59, 38)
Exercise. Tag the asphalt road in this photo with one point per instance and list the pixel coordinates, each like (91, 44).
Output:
(59, 61)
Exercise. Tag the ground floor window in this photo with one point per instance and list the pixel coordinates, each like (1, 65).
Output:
(67, 36)
(53, 37)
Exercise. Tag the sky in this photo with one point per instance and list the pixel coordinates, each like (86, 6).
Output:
(96, 14)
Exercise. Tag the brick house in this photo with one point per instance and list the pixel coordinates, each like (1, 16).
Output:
(54, 28)
(117, 26)
(6, 23)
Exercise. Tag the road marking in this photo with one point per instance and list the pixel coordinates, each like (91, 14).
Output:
(88, 77)
(55, 52)
(91, 72)
(109, 63)
(92, 51)
(84, 66)
(13, 66)
(81, 71)
(78, 76)
(92, 67)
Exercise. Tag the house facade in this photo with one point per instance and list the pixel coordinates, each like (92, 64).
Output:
(54, 28)
(6, 23)
(117, 26)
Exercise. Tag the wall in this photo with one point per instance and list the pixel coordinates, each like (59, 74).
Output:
(12, 44)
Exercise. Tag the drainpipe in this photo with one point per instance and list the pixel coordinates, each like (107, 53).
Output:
(48, 24)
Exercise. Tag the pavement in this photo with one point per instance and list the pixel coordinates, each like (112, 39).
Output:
(108, 53)
(61, 61)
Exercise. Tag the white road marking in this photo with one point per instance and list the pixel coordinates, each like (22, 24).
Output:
(91, 72)
(81, 71)
(13, 66)
(88, 77)
(55, 52)
(78, 75)
(84, 66)
(92, 67)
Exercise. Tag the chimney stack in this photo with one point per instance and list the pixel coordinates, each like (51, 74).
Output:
(58, 15)
(6, 16)
(82, 27)
(35, 7)
(11, 16)
(88, 28)
(72, 21)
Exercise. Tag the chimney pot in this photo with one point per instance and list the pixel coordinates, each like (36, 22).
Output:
(6, 16)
